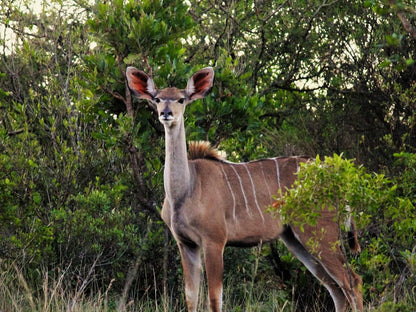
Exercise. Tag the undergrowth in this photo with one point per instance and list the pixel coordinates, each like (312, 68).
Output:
(254, 294)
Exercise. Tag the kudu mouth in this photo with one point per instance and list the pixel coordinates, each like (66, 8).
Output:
(167, 119)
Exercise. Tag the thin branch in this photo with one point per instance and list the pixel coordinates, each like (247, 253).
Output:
(129, 281)
(274, 12)
(404, 20)
(149, 68)
(12, 133)
(115, 94)
(294, 89)
(24, 33)
(84, 284)
(406, 24)
(232, 18)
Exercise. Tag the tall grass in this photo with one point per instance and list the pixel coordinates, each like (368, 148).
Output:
(50, 296)
(18, 294)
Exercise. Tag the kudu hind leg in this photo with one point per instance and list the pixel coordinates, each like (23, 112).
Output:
(350, 283)
(191, 263)
(334, 262)
(299, 251)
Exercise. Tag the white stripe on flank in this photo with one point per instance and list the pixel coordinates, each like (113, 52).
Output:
(254, 191)
(278, 173)
(242, 189)
(265, 181)
(231, 190)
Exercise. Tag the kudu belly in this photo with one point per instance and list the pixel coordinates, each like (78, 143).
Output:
(252, 227)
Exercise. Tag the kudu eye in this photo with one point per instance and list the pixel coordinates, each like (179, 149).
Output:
(157, 100)
(181, 100)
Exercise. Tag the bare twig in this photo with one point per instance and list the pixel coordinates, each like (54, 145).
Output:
(12, 133)
(130, 277)
(84, 284)
(404, 20)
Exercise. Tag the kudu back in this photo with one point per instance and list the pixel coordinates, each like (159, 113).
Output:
(211, 203)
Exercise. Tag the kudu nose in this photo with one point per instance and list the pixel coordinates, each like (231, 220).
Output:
(166, 113)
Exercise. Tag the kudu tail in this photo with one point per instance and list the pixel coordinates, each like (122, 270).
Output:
(352, 236)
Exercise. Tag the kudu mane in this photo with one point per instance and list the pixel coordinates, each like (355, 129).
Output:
(204, 150)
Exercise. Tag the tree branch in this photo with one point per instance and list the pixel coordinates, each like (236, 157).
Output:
(115, 94)
(404, 20)
(406, 24)
(13, 133)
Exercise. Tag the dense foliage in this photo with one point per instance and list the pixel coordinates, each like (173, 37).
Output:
(384, 215)
(81, 162)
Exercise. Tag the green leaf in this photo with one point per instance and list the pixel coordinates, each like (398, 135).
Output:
(36, 198)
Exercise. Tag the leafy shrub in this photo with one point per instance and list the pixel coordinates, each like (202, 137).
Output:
(335, 184)
(383, 209)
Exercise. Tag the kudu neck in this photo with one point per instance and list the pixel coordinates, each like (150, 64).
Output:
(176, 175)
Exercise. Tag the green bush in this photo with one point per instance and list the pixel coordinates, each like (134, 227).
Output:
(383, 209)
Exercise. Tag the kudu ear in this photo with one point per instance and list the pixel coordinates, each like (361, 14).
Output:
(140, 83)
(200, 84)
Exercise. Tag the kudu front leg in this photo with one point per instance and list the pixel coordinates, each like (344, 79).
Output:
(214, 269)
(191, 263)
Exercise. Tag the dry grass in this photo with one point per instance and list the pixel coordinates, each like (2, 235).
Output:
(16, 295)
(51, 296)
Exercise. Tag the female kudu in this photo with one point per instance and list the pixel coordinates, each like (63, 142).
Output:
(210, 203)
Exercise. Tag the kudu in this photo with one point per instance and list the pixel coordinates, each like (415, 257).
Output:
(211, 203)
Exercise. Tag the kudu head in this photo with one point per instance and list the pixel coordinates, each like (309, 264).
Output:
(170, 102)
